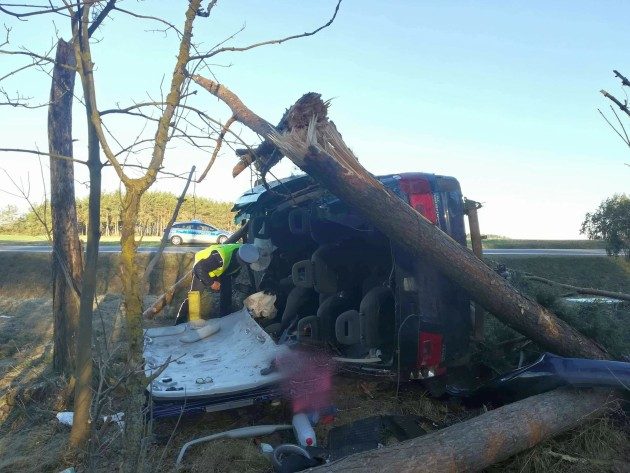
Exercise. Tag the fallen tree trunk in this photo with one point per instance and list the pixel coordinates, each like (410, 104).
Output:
(581, 290)
(166, 298)
(484, 440)
(320, 152)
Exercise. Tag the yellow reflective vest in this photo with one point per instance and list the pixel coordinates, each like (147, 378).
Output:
(225, 251)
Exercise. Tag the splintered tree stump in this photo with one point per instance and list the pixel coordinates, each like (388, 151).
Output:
(266, 155)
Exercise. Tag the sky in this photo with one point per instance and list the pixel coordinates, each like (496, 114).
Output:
(502, 95)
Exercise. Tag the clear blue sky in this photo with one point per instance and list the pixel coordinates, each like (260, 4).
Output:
(502, 95)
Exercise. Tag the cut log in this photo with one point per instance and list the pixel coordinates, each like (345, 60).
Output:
(581, 290)
(320, 151)
(484, 440)
(166, 298)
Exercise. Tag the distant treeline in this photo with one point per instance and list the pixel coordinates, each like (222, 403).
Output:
(156, 210)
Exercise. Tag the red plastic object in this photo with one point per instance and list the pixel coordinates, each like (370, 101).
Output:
(429, 350)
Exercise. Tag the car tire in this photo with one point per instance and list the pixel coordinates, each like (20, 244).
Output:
(176, 240)
(222, 239)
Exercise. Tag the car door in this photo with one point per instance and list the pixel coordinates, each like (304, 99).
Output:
(204, 234)
(185, 231)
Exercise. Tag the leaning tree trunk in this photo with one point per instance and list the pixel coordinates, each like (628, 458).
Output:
(318, 149)
(67, 254)
(484, 440)
(349, 181)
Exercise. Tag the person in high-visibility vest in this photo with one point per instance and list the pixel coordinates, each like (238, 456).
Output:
(215, 263)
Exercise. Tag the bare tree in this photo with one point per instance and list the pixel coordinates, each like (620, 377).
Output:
(617, 123)
(174, 119)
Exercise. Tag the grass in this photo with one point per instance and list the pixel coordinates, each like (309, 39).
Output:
(608, 273)
(488, 243)
(32, 440)
(545, 244)
(21, 239)
(599, 446)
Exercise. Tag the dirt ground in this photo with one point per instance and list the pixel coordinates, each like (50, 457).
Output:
(32, 440)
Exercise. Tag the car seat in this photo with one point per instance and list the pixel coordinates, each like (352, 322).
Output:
(373, 325)
(378, 323)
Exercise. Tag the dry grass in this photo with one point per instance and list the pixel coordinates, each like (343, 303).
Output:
(31, 439)
(600, 446)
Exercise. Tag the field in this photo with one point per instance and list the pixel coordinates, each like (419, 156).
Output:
(30, 395)
(20, 239)
(487, 243)
(547, 244)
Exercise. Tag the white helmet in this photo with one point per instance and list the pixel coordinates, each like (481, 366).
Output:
(249, 253)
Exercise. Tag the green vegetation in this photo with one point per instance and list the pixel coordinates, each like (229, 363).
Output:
(611, 223)
(494, 242)
(34, 240)
(155, 212)
(609, 273)
(608, 324)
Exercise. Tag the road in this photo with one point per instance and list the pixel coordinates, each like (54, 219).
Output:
(192, 249)
(103, 249)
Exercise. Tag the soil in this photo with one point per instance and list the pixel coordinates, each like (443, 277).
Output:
(32, 439)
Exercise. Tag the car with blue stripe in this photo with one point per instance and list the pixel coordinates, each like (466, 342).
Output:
(196, 232)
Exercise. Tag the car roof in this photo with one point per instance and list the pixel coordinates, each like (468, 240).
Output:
(191, 221)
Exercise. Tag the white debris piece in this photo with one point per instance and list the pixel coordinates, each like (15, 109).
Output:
(261, 305)
(230, 361)
(197, 334)
(67, 418)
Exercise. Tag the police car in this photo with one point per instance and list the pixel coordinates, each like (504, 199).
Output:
(196, 232)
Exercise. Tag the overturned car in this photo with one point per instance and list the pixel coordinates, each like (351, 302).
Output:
(342, 285)
(337, 284)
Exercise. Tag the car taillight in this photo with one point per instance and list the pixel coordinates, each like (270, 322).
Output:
(420, 197)
(429, 350)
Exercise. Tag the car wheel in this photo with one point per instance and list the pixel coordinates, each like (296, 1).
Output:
(222, 239)
(176, 240)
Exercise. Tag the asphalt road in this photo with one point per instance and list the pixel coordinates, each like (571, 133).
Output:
(192, 249)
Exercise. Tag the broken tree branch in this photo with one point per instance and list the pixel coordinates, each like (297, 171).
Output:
(266, 154)
(581, 290)
(624, 80)
(622, 106)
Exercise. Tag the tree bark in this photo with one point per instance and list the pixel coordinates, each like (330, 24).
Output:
(484, 440)
(132, 307)
(67, 254)
(312, 149)
(81, 426)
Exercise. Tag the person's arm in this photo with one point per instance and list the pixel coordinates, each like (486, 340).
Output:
(205, 266)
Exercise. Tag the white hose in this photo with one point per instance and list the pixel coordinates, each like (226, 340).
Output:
(243, 432)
